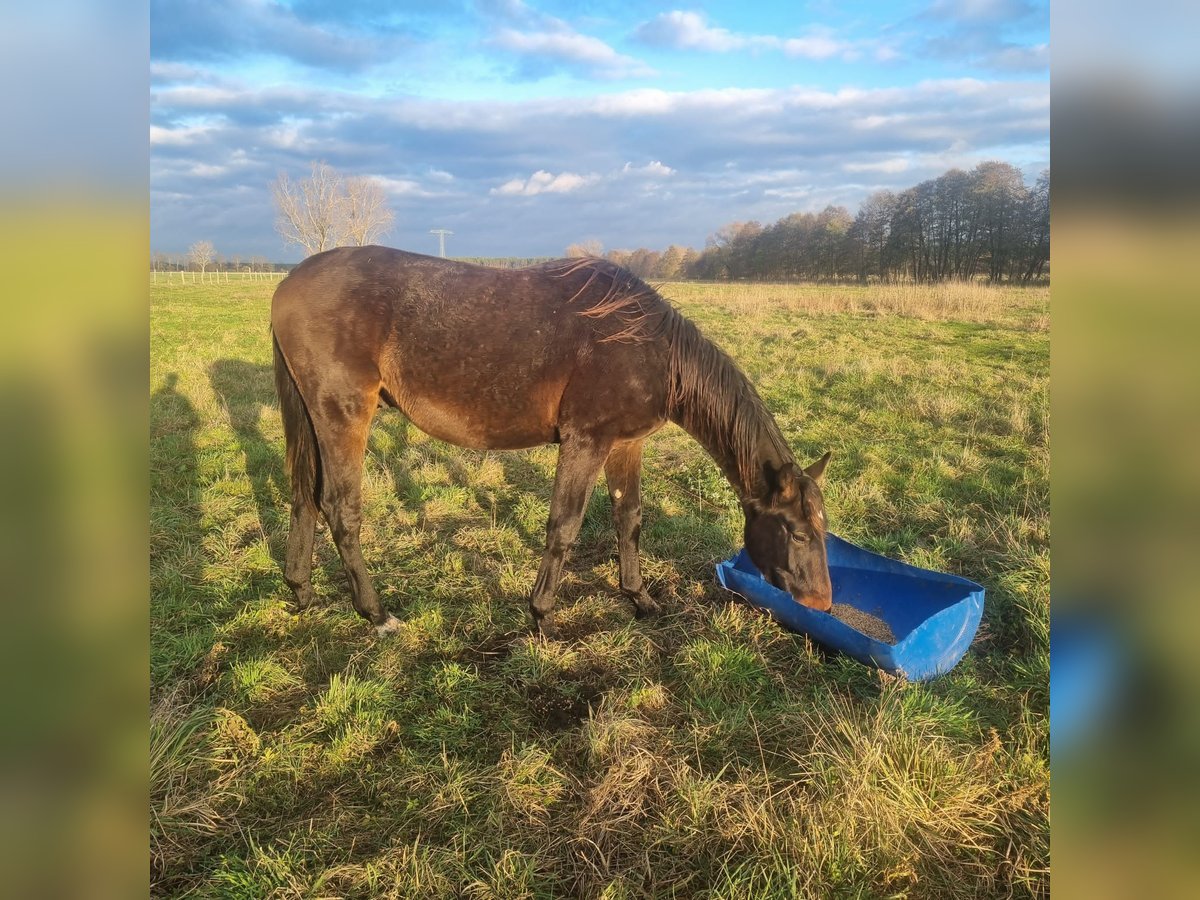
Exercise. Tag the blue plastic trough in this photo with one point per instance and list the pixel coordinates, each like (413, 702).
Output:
(933, 616)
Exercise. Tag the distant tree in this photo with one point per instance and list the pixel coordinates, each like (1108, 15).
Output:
(1037, 228)
(365, 212)
(688, 266)
(670, 265)
(590, 247)
(309, 212)
(648, 264)
(1001, 196)
(620, 257)
(201, 254)
(832, 243)
(870, 232)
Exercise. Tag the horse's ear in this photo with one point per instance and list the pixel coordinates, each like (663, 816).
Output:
(817, 470)
(751, 506)
(783, 483)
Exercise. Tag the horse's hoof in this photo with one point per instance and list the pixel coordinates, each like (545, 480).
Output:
(390, 625)
(548, 630)
(302, 598)
(644, 606)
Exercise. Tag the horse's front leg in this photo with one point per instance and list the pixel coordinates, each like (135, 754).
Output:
(623, 472)
(579, 462)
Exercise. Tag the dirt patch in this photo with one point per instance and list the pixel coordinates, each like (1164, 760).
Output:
(555, 709)
(281, 712)
(492, 650)
(562, 703)
(868, 624)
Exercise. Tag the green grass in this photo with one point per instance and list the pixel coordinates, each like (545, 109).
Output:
(706, 753)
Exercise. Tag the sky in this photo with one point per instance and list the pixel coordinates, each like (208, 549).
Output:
(523, 127)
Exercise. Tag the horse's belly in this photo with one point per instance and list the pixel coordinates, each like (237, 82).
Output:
(469, 425)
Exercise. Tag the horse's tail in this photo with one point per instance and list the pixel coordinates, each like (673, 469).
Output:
(303, 455)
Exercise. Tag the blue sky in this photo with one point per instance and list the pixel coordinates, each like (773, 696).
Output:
(526, 126)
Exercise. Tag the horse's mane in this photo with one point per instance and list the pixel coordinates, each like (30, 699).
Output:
(713, 400)
(613, 291)
(707, 394)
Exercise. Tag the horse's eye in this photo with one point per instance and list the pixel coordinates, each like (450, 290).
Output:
(799, 537)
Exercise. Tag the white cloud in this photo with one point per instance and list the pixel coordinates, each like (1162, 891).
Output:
(815, 46)
(543, 182)
(884, 166)
(874, 121)
(653, 169)
(574, 48)
(691, 31)
(540, 39)
(652, 103)
(688, 30)
(401, 187)
(184, 136)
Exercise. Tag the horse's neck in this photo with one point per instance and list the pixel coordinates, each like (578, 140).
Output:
(717, 405)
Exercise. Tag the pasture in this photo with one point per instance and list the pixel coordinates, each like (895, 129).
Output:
(703, 753)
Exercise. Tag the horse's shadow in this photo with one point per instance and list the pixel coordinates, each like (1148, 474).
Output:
(246, 391)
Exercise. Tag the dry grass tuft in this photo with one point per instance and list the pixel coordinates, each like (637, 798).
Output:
(191, 784)
(617, 804)
(531, 785)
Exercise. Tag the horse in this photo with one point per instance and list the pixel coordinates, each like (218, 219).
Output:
(576, 352)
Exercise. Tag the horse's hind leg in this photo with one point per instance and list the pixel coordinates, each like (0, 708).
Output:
(297, 567)
(579, 463)
(342, 427)
(623, 472)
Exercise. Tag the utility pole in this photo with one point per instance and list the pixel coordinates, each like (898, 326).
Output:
(441, 233)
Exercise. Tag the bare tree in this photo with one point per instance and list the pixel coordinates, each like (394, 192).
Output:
(590, 247)
(310, 211)
(326, 210)
(365, 214)
(201, 254)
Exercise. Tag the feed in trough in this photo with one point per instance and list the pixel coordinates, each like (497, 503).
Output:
(868, 624)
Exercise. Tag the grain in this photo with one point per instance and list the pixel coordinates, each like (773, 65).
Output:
(865, 622)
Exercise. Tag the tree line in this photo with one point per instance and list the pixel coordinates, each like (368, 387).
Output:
(203, 257)
(983, 223)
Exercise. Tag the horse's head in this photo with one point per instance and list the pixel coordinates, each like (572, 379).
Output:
(785, 533)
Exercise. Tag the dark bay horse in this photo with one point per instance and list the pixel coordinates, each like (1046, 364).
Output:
(576, 352)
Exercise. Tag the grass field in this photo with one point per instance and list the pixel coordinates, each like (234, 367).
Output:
(706, 753)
